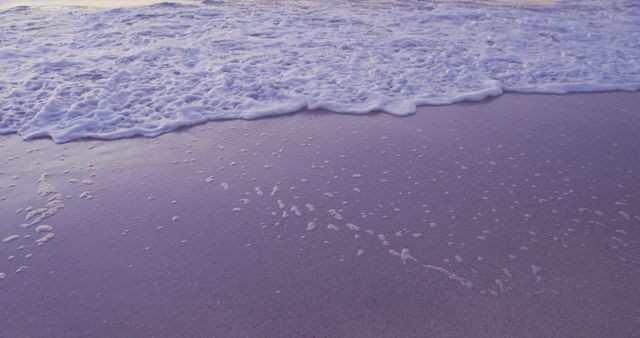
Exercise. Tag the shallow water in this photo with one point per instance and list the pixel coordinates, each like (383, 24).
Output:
(87, 3)
(132, 3)
(69, 73)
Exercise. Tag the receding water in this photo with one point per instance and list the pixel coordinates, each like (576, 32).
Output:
(147, 70)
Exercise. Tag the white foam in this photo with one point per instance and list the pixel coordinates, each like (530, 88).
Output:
(150, 70)
(625, 215)
(274, 190)
(332, 227)
(259, 191)
(295, 210)
(353, 227)
(311, 226)
(52, 205)
(10, 238)
(44, 228)
(44, 239)
(500, 284)
(464, 282)
(403, 254)
(535, 269)
(335, 214)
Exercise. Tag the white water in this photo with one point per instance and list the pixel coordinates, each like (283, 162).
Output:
(74, 72)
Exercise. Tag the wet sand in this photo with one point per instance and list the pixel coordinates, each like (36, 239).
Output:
(516, 216)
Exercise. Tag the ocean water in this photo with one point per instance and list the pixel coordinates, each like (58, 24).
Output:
(71, 72)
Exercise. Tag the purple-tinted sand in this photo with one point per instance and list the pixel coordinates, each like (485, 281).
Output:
(516, 216)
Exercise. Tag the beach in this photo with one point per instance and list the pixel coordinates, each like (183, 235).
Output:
(514, 216)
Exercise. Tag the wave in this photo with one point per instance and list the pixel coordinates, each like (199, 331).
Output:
(75, 73)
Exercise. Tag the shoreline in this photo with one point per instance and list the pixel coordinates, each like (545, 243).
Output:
(507, 216)
(419, 108)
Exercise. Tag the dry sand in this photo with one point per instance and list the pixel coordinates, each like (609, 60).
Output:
(517, 216)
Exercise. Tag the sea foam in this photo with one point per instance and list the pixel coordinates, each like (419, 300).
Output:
(76, 72)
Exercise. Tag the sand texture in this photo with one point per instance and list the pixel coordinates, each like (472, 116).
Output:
(516, 216)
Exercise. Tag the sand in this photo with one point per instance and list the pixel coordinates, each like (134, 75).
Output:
(513, 216)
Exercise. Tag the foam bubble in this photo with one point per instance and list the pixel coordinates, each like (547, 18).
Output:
(335, 214)
(353, 227)
(404, 255)
(44, 228)
(10, 238)
(464, 282)
(259, 191)
(44, 239)
(311, 226)
(296, 210)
